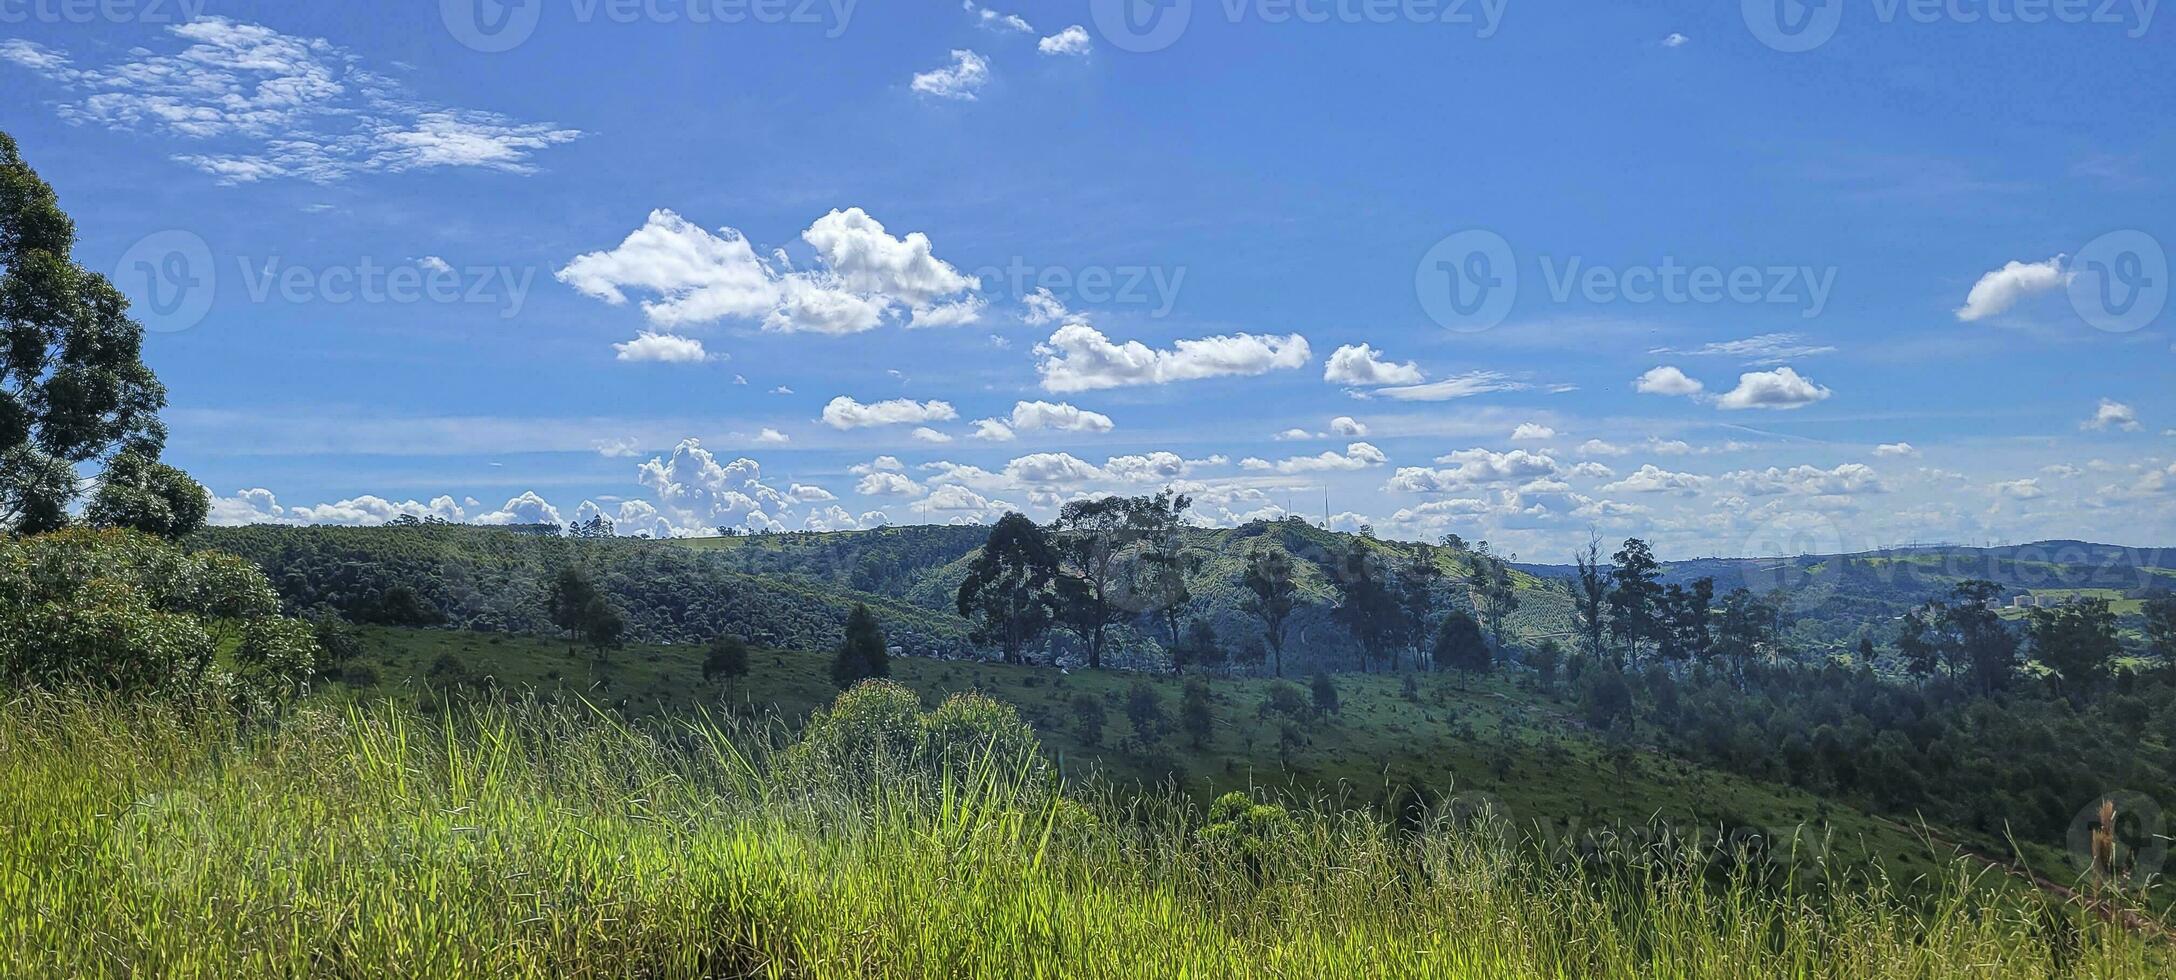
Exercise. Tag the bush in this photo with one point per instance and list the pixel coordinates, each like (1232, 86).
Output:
(878, 729)
(126, 612)
(1324, 689)
(1088, 718)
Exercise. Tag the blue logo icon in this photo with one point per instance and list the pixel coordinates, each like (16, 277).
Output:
(1141, 25)
(2119, 281)
(1468, 281)
(491, 26)
(1793, 26)
(169, 279)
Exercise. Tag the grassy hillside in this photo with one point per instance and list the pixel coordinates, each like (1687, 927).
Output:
(1490, 742)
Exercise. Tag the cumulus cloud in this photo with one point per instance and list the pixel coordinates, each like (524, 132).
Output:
(1902, 450)
(2001, 289)
(997, 21)
(1078, 357)
(992, 430)
(1781, 388)
(844, 412)
(2112, 415)
(662, 348)
(1073, 41)
(959, 80)
(863, 277)
(1058, 416)
(1596, 447)
(1532, 432)
(1348, 427)
(1472, 468)
(1362, 365)
(2028, 489)
(525, 509)
(1666, 380)
(696, 490)
(1650, 478)
(268, 105)
(1357, 456)
(927, 434)
(1847, 479)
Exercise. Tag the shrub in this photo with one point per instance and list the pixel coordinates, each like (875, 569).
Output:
(1088, 718)
(1324, 689)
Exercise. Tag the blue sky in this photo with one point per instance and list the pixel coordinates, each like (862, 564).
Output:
(1908, 284)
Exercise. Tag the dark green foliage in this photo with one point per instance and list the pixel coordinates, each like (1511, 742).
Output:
(1590, 596)
(725, 659)
(1146, 711)
(1272, 596)
(2160, 628)
(1196, 717)
(142, 494)
(73, 386)
(2077, 640)
(1324, 689)
(1009, 591)
(1495, 597)
(125, 612)
(1604, 696)
(584, 613)
(1093, 538)
(1088, 719)
(1287, 700)
(862, 654)
(1635, 598)
(1460, 646)
(1545, 660)
(1368, 604)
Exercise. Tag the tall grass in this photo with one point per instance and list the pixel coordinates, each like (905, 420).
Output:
(550, 841)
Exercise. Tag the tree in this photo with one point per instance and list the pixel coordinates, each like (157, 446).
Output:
(1545, 660)
(726, 659)
(1866, 651)
(142, 494)
(73, 386)
(1590, 596)
(2078, 641)
(1324, 689)
(1635, 596)
(2160, 612)
(1088, 718)
(1092, 536)
(1743, 630)
(1368, 606)
(595, 528)
(1495, 596)
(1272, 596)
(1915, 643)
(1199, 646)
(1195, 717)
(862, 654)
(1604, 697)
(1417, 578)
(1146, 711)
(577, 606)
(1161, 569)
(1007, 593)
(1981, 644)
(1460, 645)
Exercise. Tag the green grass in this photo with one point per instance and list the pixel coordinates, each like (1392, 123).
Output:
(1488, 741)
(529, 841)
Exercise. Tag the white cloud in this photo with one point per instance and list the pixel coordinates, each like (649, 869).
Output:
(2112, 415)
(281, 106)
(996, 21)
(1591, 470)
(618, 448)
(525, 509)
(1596, 447)
(1294, 435)
(846, 413)
(662, 348)
(887, 484)
(1897, 449)
(1766, 349)
(960, 505)
(1071, 41)
(1042, 307)
(1845, 480)
(1058, 416)
(1463, 386)
(2028, 489)
(694, 490)
(1079, 358)
(1348, 427)
(810, 493)
(1650, 478)
(863, 276)
(1472, 468)
(1357, 456)
(992, 430)
(432, 263)
(772, 437)
(1666, 380)
(927, 434)
(959, 80)
(1999, 290)
(1675, 40)
(1532, 432)
(1781, 388)
(1359, 364)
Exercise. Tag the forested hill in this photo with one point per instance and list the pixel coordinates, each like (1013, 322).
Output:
(793, 589)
